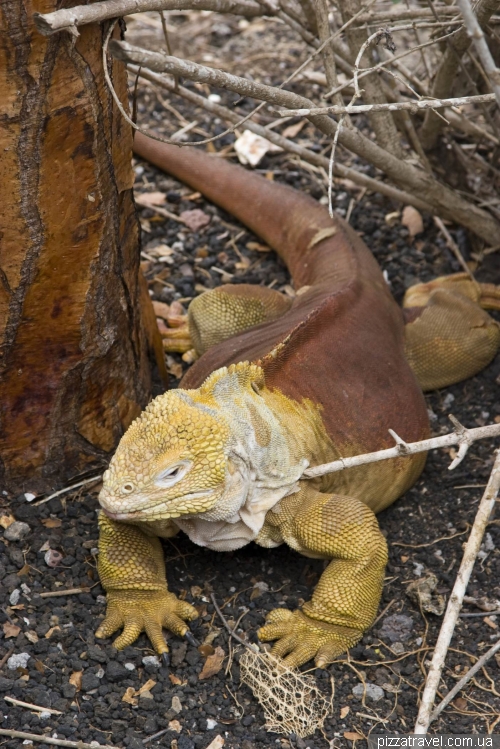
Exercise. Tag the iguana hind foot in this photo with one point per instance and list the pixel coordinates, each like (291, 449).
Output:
(448, 335)
(224, 312)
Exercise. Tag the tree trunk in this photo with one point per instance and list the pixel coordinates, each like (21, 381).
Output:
(74, 370)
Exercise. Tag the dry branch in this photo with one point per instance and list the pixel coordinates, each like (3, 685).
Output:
(44, 739)
(411, 106)
(475, 32)
(450, 62)
(455, 602)
(448, 203)
(359, 178)
(31, 706)
(69, 19)
(461, 436)
(465, 679)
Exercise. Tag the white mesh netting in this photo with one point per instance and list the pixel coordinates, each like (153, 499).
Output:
(291, 701)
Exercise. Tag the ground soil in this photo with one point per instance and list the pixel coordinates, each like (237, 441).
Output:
(86, 680)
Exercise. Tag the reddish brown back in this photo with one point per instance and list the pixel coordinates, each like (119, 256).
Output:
(342, 339)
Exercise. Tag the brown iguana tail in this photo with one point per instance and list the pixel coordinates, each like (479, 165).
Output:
(289, 221)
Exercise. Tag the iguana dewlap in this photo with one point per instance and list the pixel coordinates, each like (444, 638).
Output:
(284, 385)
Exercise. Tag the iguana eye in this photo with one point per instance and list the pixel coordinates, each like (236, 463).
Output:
(172, 474)
(127, 488)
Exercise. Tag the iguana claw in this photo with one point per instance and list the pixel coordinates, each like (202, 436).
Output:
(191, 638)
(301, 638)
(149, 611)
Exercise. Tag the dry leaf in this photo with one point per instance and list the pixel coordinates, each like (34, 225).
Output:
(460, 703)
(252, 148)
(292, 130)
(175, 679)
(196, 591)
(213, 664)
(76, 679)
(391, 218)
(31, 635)
(195, 219)
(353, 736)
(51, 631)
(52, 522)
(490, 622)
(129, 696)
(412, 219)
(10, 630)
(404, 558)
(6, 520)
(174, 725)
(257, 247)
(24, 570)
(148, 199)
(344, 711)
(147, 687)
(217, 743)
(206, 650)
(40, 667)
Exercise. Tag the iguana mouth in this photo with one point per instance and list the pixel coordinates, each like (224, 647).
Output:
(183, 505)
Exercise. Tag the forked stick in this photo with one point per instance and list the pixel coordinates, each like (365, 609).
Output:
(461, 436)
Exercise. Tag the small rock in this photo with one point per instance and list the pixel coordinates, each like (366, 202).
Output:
(150, 660)
(116, 672)
(6, 684)
(16, 531)
(178, 654)
(14, 597)
(90, 681)
(211, 723)
(129, 666)
(424, 593)
(396, 628)
(147, 701)
(68, 691)
(95, 653)
(176, 705)
(52, 558)
(448, 400)
(372, 692)
(18, 660)
(398, 648)
(29, 496)
(44, 715)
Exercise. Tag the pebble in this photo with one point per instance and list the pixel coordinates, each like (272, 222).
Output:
(396, 628)
(18, 660)
(150, 660)
(16, 531)
(373, 692)
(89, 681)
(116, 672)
(176, 704)
(14, 597)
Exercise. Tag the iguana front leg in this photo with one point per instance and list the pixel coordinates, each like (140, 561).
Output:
(346, 598)
(132, 571)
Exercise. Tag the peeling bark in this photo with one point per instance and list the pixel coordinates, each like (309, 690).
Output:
(74, 368)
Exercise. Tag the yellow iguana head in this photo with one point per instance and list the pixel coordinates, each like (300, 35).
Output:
(170, 462)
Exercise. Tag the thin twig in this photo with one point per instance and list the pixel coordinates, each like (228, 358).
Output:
(447, 201)
(453, 246)
(307, 155)
(475, 32)
(44, 739)
(66, 489)
(61, 593)
(253, 648)
(412, 106)
(31, 706)
(6, 657)
(461, 436)
(455, 601)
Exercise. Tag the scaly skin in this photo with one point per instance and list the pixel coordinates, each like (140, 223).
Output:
(283, 385)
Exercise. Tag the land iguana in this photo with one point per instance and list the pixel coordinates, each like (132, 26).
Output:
(282, 385)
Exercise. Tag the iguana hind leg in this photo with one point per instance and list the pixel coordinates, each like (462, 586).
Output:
(448, 335)
(230, 309)
(346, 598)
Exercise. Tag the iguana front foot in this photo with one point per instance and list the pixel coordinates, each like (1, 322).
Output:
(145, 611)
(303, 638)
